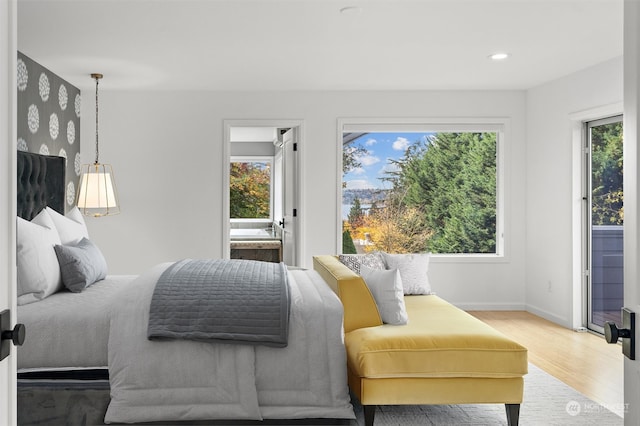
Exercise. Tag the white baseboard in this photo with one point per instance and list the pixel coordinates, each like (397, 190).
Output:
(471, 306)
(565, 322)
(491, 306)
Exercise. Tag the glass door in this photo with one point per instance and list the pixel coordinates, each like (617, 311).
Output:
(605, 219)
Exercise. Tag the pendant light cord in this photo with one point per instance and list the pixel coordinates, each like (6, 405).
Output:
(97, 77)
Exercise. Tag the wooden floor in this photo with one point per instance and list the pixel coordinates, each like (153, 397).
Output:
(583, 360)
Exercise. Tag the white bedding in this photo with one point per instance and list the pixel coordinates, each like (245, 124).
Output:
(69, 330)
(188, 380)
(185, 380)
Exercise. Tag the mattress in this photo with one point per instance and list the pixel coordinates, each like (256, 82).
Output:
(69, 330)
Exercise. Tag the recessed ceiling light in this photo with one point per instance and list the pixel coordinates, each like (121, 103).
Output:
(500, 56)
(351, 10)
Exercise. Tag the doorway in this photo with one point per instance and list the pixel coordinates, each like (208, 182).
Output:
(604, 221)
(261, 179)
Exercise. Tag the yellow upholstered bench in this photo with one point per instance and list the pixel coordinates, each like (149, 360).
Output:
(442, 356)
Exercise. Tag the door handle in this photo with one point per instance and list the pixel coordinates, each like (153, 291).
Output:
(627, 333)
(8, 335)
(16, 335)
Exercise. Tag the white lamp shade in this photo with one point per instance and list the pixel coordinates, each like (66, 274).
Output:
(97, 195)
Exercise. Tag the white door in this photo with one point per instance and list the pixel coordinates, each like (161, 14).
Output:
(278, 186)
(631, 198)
(604, 222)
(8, 55)
(289, 196)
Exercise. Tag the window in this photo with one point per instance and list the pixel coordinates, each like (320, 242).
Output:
(411, 188)
(250, 188)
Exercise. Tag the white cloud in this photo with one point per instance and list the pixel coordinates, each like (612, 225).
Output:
(368, 159)
(358, 171)
(401, 144)
(370, 142)
(359, 184)
(388, 168)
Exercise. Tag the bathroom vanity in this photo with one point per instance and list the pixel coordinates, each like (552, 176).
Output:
(255, 244)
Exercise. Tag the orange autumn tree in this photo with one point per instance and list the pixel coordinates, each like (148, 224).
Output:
(250, 190)
(396, 228)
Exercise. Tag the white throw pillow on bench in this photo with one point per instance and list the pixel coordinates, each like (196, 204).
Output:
(413, 269)
(387, 291)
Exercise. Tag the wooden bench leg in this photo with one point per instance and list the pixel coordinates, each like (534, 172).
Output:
(513, 414)
(369, 414)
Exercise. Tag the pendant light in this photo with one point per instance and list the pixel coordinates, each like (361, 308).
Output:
(97, 195)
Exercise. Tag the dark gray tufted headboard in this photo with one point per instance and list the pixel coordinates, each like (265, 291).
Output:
(40, 184)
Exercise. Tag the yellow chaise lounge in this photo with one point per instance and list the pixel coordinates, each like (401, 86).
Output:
(442, 356)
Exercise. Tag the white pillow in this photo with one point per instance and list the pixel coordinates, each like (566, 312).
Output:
(38, 271)
(71, 227)
(413, 269)
(386, 287)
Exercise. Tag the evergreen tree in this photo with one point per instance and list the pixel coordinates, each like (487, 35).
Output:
(347, 243)
(451, 178)
(355, 214)
(606, 175)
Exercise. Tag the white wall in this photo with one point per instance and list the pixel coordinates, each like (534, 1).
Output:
(166, 151)
(552, 171)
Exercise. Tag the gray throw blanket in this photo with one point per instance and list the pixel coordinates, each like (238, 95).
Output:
(228, 301)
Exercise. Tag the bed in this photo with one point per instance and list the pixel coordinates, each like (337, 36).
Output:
(101, 332)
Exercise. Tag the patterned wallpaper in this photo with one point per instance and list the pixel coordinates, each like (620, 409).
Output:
(49, 118)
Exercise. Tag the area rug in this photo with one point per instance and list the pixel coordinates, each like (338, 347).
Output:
(547, 402)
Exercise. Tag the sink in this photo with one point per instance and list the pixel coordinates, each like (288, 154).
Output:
(251, 234)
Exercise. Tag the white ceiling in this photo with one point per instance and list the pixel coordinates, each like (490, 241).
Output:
(310, 45)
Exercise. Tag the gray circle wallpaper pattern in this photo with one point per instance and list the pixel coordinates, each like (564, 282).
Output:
(49, 118)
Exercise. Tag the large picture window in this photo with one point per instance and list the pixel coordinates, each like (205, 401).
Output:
(421, 188)
(250, 188)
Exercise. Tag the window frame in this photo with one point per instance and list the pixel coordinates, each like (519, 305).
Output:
(255, 159)
(500, 125)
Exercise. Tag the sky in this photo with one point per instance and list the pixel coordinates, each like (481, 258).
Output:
(380, 148)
